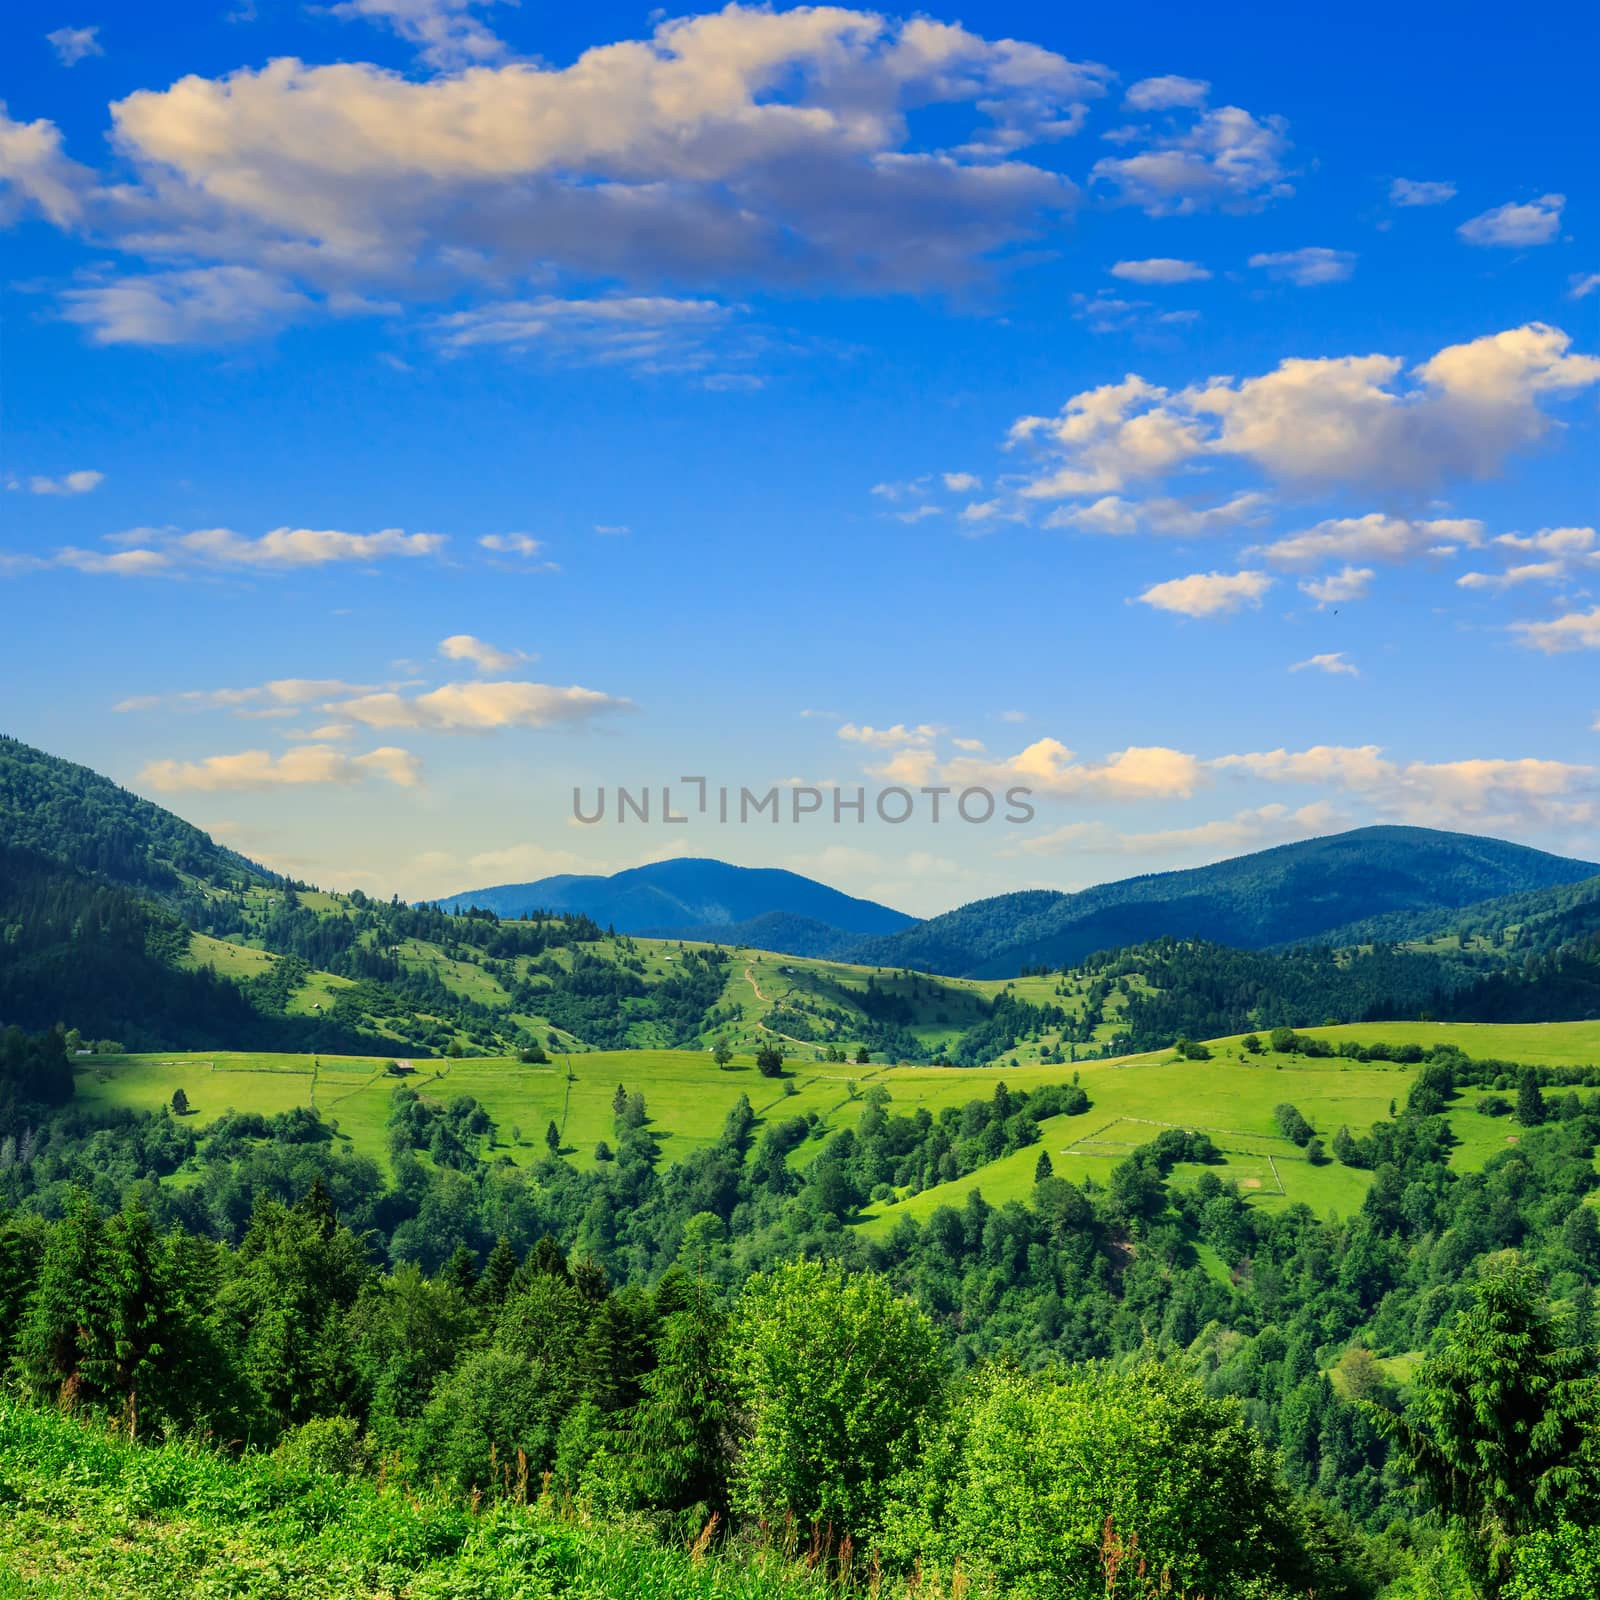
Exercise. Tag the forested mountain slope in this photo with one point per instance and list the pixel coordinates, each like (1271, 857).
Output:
(1289, 895)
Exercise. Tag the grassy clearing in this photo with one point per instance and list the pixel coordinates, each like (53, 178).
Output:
(86, 1516)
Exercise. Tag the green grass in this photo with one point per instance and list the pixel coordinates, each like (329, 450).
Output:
(85, 1515)
(688, 1098)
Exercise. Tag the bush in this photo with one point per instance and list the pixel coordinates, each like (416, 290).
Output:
(1042, 1467)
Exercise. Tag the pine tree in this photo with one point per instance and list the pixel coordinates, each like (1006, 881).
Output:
(552, 1137)
(462, 1270)
(1044, 1167)
(682, 1432)
(1530, 1099)
(61, 1341)
(498, 1272)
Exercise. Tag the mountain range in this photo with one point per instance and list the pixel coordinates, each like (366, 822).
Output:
(121, 919)
(1328, 890)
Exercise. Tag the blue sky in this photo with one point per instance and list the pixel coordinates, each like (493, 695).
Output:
(414, 409)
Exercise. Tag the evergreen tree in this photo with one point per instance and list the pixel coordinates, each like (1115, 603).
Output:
(498, 1273)
(1043, 1168)
(1530, 1099)
(1498, 1428)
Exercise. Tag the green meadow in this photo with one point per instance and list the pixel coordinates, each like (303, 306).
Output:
(1231, 1097)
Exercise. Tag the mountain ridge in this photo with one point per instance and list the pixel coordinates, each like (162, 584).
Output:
(1307, 891)
(695, 897)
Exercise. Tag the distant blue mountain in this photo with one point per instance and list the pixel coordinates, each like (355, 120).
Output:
(701, 899)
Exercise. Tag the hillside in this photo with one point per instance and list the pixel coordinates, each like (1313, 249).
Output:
(1296, 893)
(691, 897)
(75, 816)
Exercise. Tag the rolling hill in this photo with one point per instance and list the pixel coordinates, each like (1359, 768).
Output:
(695, 898)
(1317, 890)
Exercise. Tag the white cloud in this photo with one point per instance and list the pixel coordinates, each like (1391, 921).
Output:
(961, 482)
(199, 305)
(159, 552)
(1333, 662)
(484, 656)
(1048, 767)
(1374, 537)
(73, 45)
(445, 32)
(1564, 542)
(1514, 577)
(1582, 284)
(1514, 225)
(1419, 192)
(36, 173)
(1577, 630)
(1208, 594)
(1227, 159)
(1307, 267)
(479, 707)
(887, 738)
(517, 544)
(650, 333)
(1160, 269)
(279, 693)
(1166, 93)
(311, 764)
(291, 548)
(69, 483)
(782, 148)
(1351, 583)
(1355, 422)
(1111, 514)
(1483, 792)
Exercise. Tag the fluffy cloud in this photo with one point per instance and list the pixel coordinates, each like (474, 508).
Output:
(1352, 422)
(479, 707)
(1483, 792)
(1351, 583)
(754, 145)
(1417, 192)
(1166, 93)
(69, 483)
(1226, 159)
(309, 764)
(73, 45)
(1577, 630)
(483, 655)
(1208, 594)
(1048, 767)
(1307, 267)
(1513, 225)
(1374, 537)
(1333, 663)
(1160, 269)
